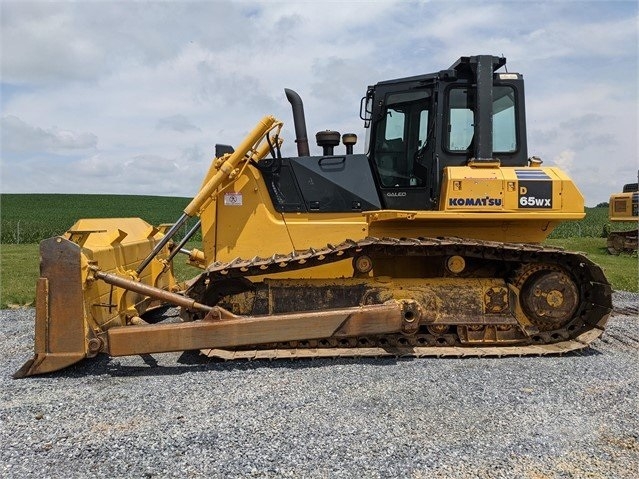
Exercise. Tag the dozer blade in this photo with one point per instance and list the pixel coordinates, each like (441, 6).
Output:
(59, 327)
(72, 307)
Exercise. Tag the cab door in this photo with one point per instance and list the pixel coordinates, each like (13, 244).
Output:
(401, 135)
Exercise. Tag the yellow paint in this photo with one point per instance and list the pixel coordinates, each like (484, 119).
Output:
(251, 227)
(227, 165)
(620, 208)
(117, 245)
(456, 264)
(500, 184)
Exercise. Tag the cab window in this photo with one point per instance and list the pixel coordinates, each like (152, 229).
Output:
(504, 124)
(461, 120)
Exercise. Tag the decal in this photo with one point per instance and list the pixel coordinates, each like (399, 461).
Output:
(532, 174)
(232, 199)
(485, 201)
(396, 194)
(535, 194)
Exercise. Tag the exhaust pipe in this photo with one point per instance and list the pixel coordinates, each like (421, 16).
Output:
(301, 137)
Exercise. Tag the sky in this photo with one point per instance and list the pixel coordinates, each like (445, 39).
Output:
(130, 97)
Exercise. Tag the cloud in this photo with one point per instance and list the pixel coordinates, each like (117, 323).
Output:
(160, 83)
(178, 123)
(95, 167)
(18, 136)
(42, 43)
(62, 42)
(565, 160)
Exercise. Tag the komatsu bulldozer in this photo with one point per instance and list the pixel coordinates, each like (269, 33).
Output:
(428, 244)
(624, 208)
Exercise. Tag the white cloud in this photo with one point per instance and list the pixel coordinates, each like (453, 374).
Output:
(95, 167)
(160, 83)
(178, 123)
(18, 136)
(41, 44)
(565, 160)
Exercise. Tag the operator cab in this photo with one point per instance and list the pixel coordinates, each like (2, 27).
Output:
(420, 125)
(469, 114)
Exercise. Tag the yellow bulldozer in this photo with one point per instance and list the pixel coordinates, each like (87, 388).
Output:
(426, 245)
(624, 208)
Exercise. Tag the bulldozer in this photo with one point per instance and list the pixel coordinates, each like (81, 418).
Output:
(624, 208)
(427, 244)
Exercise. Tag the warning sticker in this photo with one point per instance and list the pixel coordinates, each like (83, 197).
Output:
(232, 199)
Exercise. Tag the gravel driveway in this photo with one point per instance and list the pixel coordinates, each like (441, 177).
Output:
(175, 415)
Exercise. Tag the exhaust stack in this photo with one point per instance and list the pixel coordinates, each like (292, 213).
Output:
(301, 137)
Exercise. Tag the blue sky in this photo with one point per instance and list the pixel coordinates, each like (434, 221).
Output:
(121, 97)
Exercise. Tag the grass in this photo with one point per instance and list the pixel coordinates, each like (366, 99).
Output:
(30, 218)
(594, 225)
(19, 269)
(18, 273)
(27, 219)
(621, 271)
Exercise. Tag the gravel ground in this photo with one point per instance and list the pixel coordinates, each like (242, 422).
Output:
(174, 415)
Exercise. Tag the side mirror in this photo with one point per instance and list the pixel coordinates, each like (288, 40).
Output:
(366, 110)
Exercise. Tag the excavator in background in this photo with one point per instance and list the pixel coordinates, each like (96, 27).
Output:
(624, 208)
(428, 244)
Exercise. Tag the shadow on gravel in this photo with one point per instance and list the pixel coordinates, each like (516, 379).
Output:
(193, 362)
(591, 351)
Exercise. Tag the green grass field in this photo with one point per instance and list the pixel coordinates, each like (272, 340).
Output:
(594, 225)
(31, 218)
(621, 271)
(19, 269)
(27, 219)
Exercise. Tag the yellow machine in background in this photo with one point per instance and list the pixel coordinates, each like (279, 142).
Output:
(624, 208)
(428, 244)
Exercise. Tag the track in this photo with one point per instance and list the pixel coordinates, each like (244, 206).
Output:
(622, 242)
(626, 311)
(521, 260)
